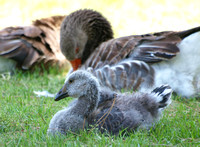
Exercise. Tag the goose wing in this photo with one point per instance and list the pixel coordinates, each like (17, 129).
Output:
(111, 52)
(156, 47)
(150, 48)
(34, 44)
(159, 46)
(126, 75)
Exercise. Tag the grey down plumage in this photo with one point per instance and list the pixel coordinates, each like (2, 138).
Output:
(130, 111)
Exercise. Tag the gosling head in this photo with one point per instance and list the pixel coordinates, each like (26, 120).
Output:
(79, 84)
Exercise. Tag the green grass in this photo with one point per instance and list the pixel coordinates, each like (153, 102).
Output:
(24, 118)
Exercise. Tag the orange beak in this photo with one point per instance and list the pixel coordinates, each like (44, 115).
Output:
(76, 64)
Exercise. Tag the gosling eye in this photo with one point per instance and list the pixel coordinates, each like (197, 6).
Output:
(71, 81)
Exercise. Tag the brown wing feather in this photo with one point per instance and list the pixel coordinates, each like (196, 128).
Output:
(19, 51)
(149, 48)
(35, 44)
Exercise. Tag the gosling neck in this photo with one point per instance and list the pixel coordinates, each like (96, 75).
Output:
(86, 104)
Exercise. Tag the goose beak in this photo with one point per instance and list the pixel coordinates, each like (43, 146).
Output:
(75, 64)
(61, 94)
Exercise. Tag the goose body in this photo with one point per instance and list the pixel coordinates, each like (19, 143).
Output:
(139, 61)
(182, 72)
(130, 111)
(33, 45)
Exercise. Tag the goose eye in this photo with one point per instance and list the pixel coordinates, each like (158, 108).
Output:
(77, 50)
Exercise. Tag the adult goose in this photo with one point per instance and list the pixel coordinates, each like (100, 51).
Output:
(132, 62)
(110, 111)
(33, 45)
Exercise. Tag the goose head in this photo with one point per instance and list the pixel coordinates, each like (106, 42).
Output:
(80, 84)
(81, 32)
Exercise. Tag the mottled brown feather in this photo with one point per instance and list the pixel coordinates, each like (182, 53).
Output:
(34, 45)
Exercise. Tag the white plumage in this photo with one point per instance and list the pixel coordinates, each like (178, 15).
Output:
(182, 73)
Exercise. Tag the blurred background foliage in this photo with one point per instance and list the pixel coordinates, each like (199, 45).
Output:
(126, 16)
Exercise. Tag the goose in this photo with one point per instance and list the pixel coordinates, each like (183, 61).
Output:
(136, 62)
(130, 111)
(30, 46)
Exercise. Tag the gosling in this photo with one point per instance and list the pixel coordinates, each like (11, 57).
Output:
(109, 111)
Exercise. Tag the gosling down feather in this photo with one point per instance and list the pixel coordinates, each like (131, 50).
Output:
(130, 111)
(33, 45)
(132, 62)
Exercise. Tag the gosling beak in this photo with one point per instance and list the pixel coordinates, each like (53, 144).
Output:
(61, 94)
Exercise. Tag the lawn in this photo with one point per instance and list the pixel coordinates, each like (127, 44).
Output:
(24, 118)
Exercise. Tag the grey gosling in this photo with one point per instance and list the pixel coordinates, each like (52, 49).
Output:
(130, 111)
(139, 61)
